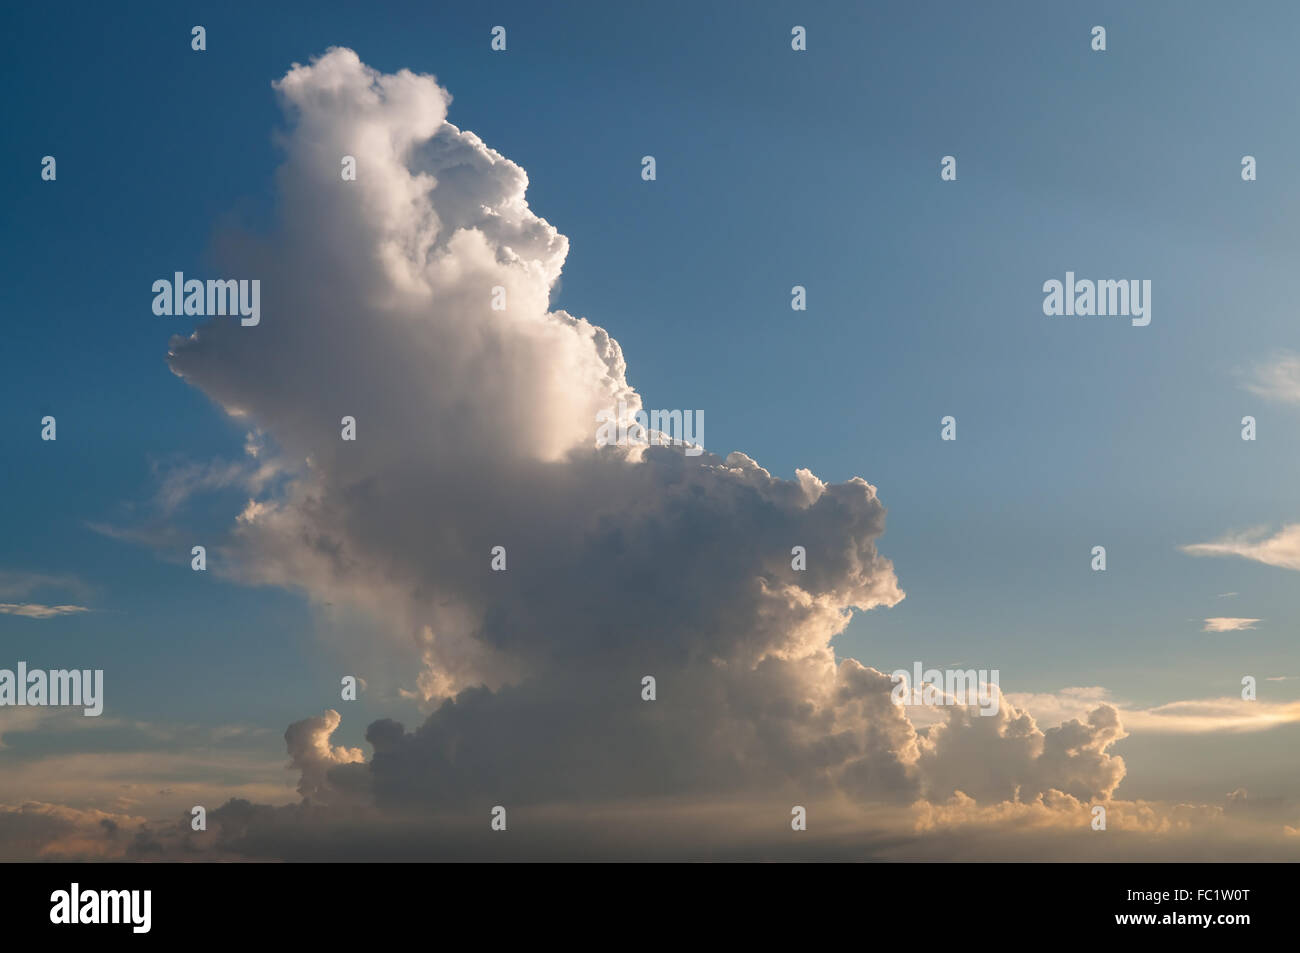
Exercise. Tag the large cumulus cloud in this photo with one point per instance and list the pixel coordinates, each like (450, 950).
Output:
(476, 428)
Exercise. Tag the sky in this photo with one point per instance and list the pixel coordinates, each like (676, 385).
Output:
(774, 168)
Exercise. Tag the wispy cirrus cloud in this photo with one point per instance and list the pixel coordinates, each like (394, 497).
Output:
(17, 584)
(34, 610)
(1277, 379)
(1228, 714)
(1282, 549)
(20, 584)
(1228, 624)
(1185, 717)
(154, 523)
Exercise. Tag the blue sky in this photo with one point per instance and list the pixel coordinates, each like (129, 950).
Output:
(774, 169)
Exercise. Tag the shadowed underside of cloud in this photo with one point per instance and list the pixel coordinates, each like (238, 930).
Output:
(1054, 825)
(40, 831)
(476, 428)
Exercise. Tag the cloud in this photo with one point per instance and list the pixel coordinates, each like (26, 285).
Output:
(1227, 714)
(36, 830)
(1228, 624)
(56, 755)
(1282, 549)
(733, 825)
(1278, 379)
(32, 610)
(177, 482)
(311, 753)
(1054, 708)
(476, 428)
(180, 481)
(1185, 717)
(1008, 757)
(17, 584)
(1050, 825)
